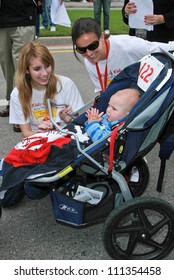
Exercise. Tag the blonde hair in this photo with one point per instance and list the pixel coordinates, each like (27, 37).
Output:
(127, 98)
(22, 77)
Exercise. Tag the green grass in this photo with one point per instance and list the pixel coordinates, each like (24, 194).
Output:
(117, 26)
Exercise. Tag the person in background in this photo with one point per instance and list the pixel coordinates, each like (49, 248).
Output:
(17, 26)
(35, 83)
(38, 13)
(46, 15)
(162, 19)
(106, 5)
(106, 58)
(119, 106)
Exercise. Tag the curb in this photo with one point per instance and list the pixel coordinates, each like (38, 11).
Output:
(56, 42)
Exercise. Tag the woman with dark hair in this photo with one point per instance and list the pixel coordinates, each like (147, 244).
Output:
(105, 58)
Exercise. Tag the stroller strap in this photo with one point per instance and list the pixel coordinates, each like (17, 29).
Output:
(112, 145)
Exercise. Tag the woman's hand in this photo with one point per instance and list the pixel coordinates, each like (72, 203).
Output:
(65, 114)
(130, 8)
(154, 19)
(45, 126)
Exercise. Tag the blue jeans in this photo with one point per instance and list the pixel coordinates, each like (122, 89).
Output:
(37, 25)
(46, 13)
(106, 4)
(15, 195)
(36, 191)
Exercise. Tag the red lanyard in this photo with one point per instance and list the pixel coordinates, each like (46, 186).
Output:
(103, 85)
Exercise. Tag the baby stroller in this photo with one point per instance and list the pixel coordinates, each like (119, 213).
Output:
(134, 227)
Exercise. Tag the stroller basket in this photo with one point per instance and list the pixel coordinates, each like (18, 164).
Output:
(79, 214)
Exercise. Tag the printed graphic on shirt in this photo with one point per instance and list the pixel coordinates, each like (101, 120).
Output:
(40, 112)
(113, 73)
(111, 76)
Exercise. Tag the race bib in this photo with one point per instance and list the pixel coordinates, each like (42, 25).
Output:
(150, 68)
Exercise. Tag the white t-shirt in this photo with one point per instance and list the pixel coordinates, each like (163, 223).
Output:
(68, 94)
(124, 50)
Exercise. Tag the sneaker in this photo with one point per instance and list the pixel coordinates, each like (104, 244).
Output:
(53, 29)
(16, 128)
(42, 27)
(106, 34)
(1, 167)
(5, 112)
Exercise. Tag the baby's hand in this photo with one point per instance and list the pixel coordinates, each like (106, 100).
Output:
(93, 115)
(65, 114)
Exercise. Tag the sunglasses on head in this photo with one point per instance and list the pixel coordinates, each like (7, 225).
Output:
(91, 47)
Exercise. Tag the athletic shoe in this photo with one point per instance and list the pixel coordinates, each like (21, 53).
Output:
(53, 29)
(42, 27)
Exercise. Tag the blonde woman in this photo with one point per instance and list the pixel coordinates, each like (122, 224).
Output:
(35, 83)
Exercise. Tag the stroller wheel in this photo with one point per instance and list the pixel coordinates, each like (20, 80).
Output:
(140, 179)
(140, 229)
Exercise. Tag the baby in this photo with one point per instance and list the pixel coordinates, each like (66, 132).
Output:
(98, 125)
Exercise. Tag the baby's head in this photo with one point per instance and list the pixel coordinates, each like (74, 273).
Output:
(121, 103)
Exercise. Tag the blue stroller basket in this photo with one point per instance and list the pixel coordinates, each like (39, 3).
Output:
(135, 227)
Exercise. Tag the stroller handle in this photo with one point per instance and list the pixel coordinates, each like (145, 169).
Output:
(65, 132)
